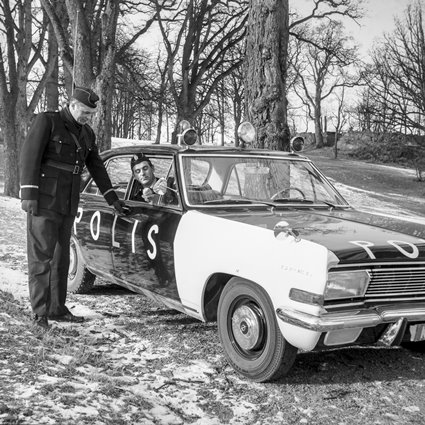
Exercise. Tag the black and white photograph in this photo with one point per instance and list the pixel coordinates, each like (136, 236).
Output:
(212, 212)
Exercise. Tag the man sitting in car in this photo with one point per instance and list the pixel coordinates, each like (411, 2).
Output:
(149, 187)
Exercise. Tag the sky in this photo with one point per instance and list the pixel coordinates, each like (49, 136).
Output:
(379, 18)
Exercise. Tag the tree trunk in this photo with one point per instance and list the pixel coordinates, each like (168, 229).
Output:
(336, 144)
(84, 59)
(318, 126)
(266, 72)
(159, 125)
(103, 119)
(52, 89)
(183, 113)
(11, 171)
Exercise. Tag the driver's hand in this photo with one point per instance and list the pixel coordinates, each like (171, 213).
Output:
(160, 187)
(148, 194)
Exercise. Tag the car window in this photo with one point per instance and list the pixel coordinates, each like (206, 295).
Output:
(217, 179)
(197, 171)
(164, 168)
(119, 172)
(172, 196)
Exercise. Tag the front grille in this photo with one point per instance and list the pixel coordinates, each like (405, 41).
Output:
(396, 282)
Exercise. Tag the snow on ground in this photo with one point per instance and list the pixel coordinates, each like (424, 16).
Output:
(388, 205)
(117, 142)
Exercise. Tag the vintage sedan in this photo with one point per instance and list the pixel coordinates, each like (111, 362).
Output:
(261, 242)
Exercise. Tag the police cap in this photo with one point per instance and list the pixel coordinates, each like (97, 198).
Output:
(86, 96)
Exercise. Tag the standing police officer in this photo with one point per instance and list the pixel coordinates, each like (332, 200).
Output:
(53, 155)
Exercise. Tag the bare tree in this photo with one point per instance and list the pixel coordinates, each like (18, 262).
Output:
(198, 37)
(322, 69)
(397, 77)
(266, 72)
(88, 49)
(135, 96)
(236, 94)
(162, 68)
(24, 28)
(341, 117)
(266, 85)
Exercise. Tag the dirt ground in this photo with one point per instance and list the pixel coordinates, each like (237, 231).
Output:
(136, 362)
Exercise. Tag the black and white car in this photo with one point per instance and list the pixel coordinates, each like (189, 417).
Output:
(260, 242)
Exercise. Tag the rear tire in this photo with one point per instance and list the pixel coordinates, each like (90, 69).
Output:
(249, 333)
(80, 280)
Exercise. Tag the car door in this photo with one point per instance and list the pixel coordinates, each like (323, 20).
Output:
(95, 219)
(142, 246)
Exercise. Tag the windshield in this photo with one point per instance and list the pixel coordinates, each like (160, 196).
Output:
(215, 179)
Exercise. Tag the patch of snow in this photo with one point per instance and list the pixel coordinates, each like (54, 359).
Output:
(64, 359)
(197, 371)
(117, 142)
(13, 281)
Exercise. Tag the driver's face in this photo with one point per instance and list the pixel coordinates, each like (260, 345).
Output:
(143, 172)
(82, 113)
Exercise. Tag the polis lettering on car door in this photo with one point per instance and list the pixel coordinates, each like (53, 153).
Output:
(95, 222)
(78, 218)
(411, 251)
(152, 251)
(152, 229)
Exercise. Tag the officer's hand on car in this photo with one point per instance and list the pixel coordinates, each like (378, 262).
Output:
(121, 208)
(30, 206)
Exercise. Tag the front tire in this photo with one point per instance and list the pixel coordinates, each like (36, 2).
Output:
(80, 280)
(249, 333)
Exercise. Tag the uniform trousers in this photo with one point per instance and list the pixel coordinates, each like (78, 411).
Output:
(48, 238)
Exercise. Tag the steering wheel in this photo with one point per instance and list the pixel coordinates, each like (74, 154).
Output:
(285, 192)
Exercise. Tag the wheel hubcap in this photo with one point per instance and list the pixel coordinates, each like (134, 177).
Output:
(247, 327)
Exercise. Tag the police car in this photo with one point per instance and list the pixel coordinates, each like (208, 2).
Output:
(259, 241)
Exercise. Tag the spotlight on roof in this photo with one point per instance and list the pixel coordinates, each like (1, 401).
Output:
(246, 132)
(297, 144)
(187, 135)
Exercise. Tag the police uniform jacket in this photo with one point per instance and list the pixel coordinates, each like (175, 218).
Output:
(51, 162)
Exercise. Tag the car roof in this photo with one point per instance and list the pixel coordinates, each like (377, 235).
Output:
(169, 149)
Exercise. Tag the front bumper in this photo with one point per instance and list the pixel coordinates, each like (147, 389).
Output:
(359, 318)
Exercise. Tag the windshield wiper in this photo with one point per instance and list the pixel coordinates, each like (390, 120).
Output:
(294, 200)
(306, 201)
(237, 202)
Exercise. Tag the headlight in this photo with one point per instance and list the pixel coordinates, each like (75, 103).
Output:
(347, 284)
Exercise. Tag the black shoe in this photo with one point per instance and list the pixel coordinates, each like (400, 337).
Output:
(41, 321)
(67, 317)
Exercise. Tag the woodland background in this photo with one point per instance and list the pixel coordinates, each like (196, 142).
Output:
(215, 63)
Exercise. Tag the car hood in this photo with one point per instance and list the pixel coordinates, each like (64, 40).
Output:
(353, 236)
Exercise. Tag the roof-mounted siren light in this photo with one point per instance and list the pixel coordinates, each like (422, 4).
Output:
(187, 135)
(246, 133)
(297, 144)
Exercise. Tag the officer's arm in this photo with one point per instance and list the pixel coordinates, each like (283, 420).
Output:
(31, 155)
(98, 171)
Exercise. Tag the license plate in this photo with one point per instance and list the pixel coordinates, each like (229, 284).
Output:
(417, 332)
